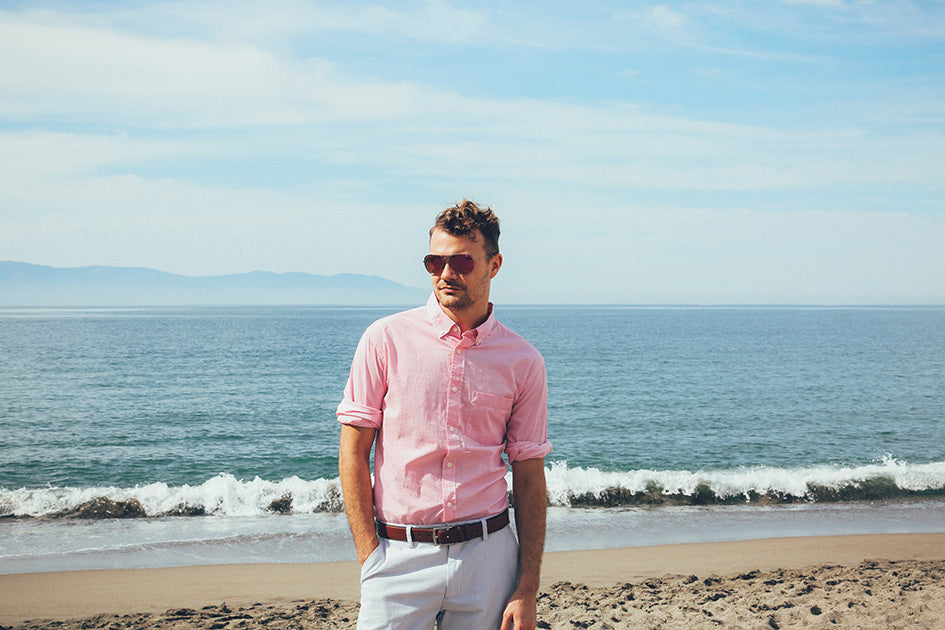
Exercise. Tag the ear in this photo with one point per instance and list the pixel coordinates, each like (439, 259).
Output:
(496, 264)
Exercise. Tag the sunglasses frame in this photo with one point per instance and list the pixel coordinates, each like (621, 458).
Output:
(436, 263)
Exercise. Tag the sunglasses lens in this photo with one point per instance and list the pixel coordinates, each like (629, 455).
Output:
(434, 264)
(462, 263)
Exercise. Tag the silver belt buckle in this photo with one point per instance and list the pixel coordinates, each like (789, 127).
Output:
(447, 533)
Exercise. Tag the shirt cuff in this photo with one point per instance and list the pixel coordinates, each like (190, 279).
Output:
(358, 416)
(518, 451)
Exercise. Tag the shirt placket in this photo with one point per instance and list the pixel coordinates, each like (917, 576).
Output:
(454, 424)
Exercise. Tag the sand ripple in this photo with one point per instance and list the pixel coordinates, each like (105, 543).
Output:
(873, 594)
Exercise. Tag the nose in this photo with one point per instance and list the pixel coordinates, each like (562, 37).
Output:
(448, 271)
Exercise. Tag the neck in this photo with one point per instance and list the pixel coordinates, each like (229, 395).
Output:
(468, 318)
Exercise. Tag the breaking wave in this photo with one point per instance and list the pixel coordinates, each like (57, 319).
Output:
(224, 495)
(889, 479)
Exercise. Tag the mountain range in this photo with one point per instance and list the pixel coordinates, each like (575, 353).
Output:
(24, 284)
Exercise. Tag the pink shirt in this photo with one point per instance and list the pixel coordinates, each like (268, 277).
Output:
(446, 406)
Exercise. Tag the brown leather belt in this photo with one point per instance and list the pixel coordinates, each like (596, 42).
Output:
(443, 534)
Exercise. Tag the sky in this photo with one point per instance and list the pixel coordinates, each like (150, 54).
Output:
(755, 152)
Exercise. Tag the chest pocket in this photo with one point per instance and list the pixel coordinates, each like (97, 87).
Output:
(488, 418)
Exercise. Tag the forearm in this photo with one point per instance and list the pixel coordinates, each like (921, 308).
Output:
(530, 496)
(360, 510)
(355, 473)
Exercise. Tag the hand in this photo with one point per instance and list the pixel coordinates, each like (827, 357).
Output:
(364, 552)
(521, 613)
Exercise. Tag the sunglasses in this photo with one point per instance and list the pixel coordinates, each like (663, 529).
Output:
(459, 263)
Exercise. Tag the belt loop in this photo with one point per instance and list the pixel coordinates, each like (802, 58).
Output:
(410, 533)
(485, 529)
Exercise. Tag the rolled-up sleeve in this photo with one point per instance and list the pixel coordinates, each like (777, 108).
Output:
(363, 402)
(527, 436)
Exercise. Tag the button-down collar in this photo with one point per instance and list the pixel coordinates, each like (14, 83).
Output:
(444, 325)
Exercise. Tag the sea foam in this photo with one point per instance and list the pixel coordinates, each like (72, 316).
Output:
(887, 479)
(225, 495)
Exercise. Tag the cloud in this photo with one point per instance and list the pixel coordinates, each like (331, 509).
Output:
(121, 79)
(198, 229)
(832, 4)
(665, 20)
(35, 155)
(669, 255)
(86, 74)
(431, 20)
(173, 135)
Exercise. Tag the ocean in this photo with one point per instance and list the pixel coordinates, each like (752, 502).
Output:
(211, 432)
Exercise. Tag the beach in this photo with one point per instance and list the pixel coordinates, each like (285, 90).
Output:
(722, 467)
(851, 581)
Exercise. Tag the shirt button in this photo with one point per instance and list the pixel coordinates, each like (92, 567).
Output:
(449, 504)
(452, 429)
(459, 351)
(455, 389)
(449, 464)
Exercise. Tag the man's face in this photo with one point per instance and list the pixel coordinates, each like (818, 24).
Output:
(460, 292)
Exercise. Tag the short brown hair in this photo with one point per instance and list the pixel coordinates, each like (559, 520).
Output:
(464, 218)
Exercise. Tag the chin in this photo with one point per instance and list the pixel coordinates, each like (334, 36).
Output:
(451, 300)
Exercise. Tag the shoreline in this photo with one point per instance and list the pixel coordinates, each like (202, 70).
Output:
(87, 593)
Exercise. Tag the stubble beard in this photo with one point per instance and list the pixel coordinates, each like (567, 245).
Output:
(458, 301)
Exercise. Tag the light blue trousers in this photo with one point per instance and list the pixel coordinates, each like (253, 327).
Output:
(411, 586)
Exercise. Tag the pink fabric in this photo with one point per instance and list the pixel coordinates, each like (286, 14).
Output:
(446, 406)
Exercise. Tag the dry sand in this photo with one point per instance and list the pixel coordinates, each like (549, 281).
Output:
(875, 581)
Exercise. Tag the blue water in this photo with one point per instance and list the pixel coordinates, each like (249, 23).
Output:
(227, 409)
(720, 388)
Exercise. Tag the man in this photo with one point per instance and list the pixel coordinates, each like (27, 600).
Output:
(441, 391)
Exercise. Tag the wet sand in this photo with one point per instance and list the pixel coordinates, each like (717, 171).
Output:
(869, 581)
